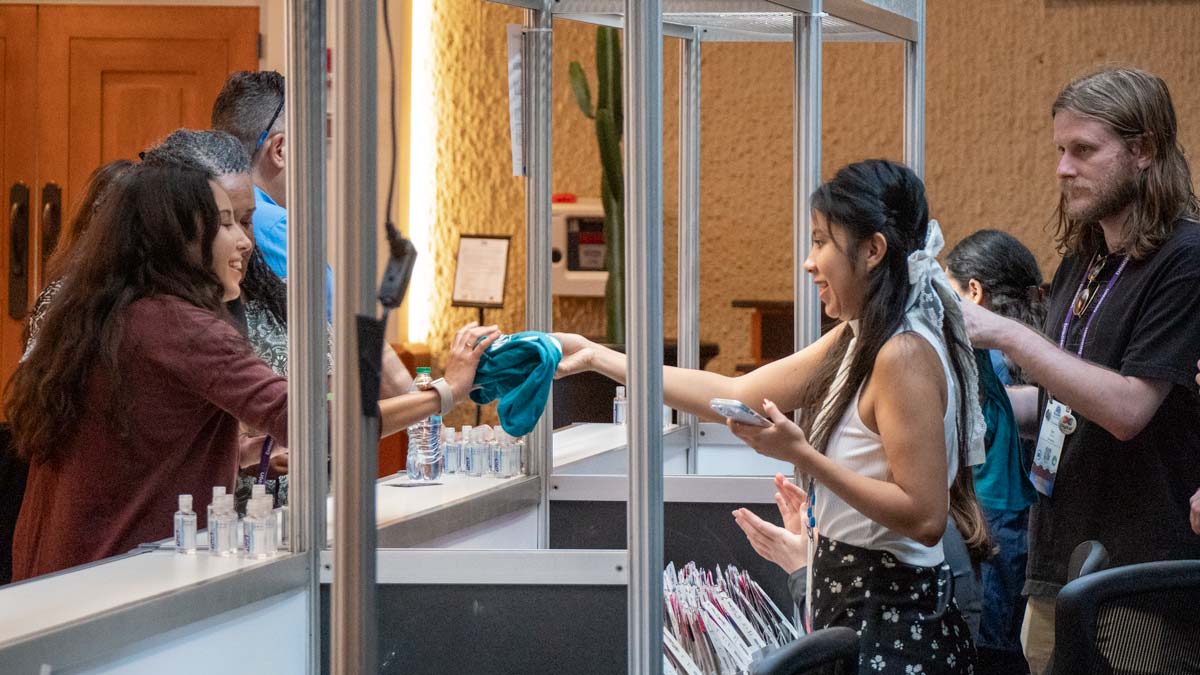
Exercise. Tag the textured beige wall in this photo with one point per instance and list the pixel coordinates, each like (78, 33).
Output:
(992, 71)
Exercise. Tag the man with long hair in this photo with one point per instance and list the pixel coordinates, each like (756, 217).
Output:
(1118, 439)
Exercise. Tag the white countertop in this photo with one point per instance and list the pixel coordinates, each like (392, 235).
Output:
(30, 608)
(397, 504)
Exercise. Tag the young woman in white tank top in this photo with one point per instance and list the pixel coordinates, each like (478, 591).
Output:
(887, 426)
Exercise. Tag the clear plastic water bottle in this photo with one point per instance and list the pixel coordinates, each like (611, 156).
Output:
(424, 461)
(465, 443)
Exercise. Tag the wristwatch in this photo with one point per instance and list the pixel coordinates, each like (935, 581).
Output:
(445, 394)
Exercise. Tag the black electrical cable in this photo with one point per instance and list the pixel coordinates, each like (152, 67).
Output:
(402, 256)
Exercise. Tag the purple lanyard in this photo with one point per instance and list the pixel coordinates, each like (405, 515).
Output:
(1062, 338)
(264, 460)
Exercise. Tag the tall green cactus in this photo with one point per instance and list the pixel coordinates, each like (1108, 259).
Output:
(608, 116)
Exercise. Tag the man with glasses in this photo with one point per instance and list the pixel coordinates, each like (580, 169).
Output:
(250, 106)
(1118, 451)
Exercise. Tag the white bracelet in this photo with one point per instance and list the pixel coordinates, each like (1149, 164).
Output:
(445, 393)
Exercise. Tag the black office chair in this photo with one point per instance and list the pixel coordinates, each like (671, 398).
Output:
(1088, 557)
(1141, 618)
(829, 651)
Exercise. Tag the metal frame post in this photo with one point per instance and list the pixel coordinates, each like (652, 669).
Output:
(307, 417)
(643, 329)
(914, 98)
(689, 226)
(806, 153)
(539, 301)
(355, 450)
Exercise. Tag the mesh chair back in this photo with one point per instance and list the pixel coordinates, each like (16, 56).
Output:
(1131, 620)
(830, 651)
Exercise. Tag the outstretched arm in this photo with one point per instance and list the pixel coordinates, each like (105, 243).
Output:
(690, 390)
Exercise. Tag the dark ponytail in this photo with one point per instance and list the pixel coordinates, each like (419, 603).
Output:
(1009, 275)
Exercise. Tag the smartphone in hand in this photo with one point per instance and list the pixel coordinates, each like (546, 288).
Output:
(738, 412)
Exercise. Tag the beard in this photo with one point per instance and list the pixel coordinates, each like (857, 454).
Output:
(1115, 191)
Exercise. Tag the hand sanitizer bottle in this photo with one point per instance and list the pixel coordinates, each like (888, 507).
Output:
(226, 527)
(620, 407)
(185, 526)
(218, 491)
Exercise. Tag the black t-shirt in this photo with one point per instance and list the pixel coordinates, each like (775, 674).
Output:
(1131, 496)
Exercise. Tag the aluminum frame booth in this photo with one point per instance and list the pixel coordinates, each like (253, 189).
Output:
(449, 610)
(414, 592)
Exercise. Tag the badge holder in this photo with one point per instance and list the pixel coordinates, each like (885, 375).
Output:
(1057, 423)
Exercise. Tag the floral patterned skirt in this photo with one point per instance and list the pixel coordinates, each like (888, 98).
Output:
(905, 616)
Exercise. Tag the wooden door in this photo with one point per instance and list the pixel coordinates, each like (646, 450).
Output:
(115, 80)
(84, 85)
(18, 154)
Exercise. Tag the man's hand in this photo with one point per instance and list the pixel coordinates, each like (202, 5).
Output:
(985, 328)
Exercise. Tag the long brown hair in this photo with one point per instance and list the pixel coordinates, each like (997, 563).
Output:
(85, 210)
(142, 242)
(862, 199)
(1137, 106)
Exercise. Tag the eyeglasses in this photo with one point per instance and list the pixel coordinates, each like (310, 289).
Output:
(1088, 292)
(263, 137)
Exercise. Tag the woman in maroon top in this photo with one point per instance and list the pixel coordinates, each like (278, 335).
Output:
(132, 392)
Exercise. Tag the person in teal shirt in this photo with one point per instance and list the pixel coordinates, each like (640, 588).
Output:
(250, 106)
(993, 269)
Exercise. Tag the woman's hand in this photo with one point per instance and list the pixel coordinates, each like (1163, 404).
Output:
(783, 440)
(578, 353)
(468, 345)
(780, 546)
(792, 503)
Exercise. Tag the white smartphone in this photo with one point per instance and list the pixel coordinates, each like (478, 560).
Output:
(738, 412)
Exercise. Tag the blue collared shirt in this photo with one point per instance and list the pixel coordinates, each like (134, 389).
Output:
(270, 236)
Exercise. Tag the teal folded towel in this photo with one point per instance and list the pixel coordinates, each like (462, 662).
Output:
(518, 369)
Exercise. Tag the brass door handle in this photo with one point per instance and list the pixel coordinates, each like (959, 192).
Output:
(18, 251)
(51, 221)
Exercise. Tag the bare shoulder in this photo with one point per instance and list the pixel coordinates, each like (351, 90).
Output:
(907, 376)
(908, 350)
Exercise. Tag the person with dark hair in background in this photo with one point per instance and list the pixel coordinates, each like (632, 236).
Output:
(1117, 457)
(993, 269)
(58, 262)
(890, 418)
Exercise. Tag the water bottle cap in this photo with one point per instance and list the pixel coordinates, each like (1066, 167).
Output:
(218, 490)
(424, 369)
(258, 490)
(620, 392)
(185, 502)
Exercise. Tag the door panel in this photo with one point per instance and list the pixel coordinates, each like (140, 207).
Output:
(119, 79)
(18, 154)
